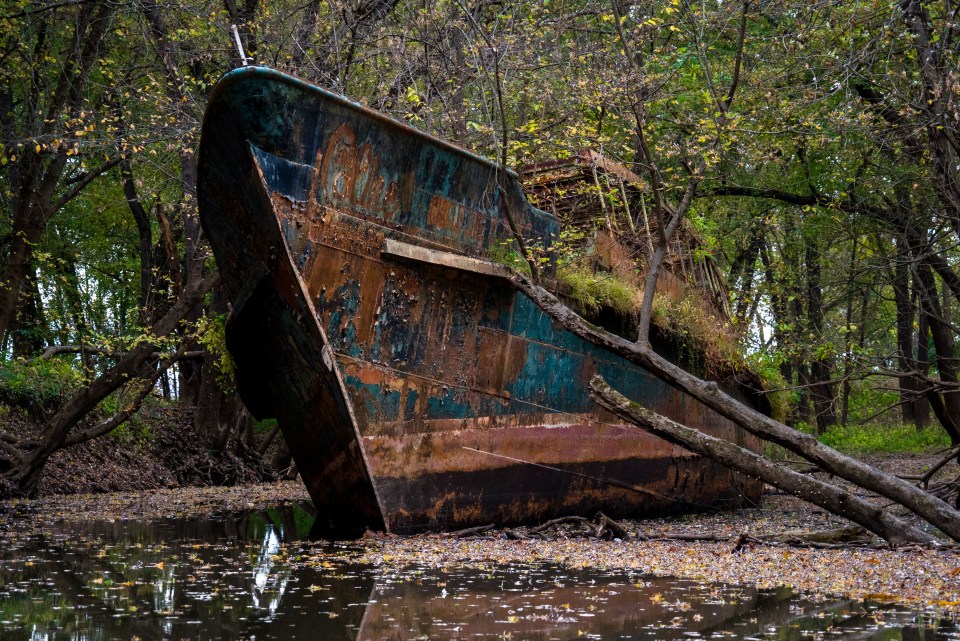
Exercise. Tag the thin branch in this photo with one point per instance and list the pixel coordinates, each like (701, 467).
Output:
(145, 386)
(951, 455)
(79, 186)
(48, 7)
(57, 350)
(738, 63)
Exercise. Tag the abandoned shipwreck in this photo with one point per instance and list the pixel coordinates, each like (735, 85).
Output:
(416, 388)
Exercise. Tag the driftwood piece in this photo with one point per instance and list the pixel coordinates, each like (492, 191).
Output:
(605, 523)
(559, 521)
(693, 538)
(470, 531)
(836, 536)
(893, 529)
(951, 455)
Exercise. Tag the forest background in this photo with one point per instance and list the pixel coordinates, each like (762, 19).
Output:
(812, 147)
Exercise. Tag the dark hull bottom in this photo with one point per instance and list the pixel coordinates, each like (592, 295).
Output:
(524, 493)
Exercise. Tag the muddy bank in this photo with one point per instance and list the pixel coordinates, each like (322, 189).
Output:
(158, 448)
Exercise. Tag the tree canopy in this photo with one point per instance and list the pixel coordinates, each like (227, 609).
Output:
(814, 146)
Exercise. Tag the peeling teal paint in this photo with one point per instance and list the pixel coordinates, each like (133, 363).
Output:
(449, 403)
(410, 403)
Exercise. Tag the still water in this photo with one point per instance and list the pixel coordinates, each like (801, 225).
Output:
(258, 576)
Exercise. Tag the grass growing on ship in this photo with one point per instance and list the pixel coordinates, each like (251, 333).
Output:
(702, 337)
(590, 292)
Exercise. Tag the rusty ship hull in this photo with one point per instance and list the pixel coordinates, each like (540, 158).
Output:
(416, 388)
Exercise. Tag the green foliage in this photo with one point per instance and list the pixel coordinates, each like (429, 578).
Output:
(776, 389)
(37, 385)
(884, 438)
(870, 403)
(506, 253)
(139, 429)
(706, 339)
(211, 334)
(265, 425)
(590, 291)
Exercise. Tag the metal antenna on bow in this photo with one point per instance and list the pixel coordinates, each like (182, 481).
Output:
(236, 38)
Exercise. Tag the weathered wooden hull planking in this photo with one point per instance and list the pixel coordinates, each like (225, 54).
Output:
(416, 387)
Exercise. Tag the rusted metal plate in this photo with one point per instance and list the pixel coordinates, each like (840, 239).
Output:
(409, 377)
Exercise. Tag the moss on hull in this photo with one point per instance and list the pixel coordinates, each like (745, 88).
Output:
(686, 328)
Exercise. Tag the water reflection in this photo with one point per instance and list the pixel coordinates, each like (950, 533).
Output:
(252, 576)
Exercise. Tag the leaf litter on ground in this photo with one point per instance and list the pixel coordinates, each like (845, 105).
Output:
(731, 550)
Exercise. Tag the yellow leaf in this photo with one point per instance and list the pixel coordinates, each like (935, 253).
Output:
(879, 596)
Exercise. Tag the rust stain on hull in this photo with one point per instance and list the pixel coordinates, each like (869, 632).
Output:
(417, 388)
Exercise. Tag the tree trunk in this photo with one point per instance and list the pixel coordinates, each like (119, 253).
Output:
(821, 390)
(905, 363)
(206, 413)
(282, 461)
(742, 271)
(830, 497)
(778, 307)
(921, 406)
(28, 227)
(947, 407)
(192, 263)
(804, 415)
(145, 233)
(937, 103)
(37, 174)
(27, 331)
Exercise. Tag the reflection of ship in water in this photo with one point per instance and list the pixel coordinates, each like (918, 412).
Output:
(541, 603)
(529, 603)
